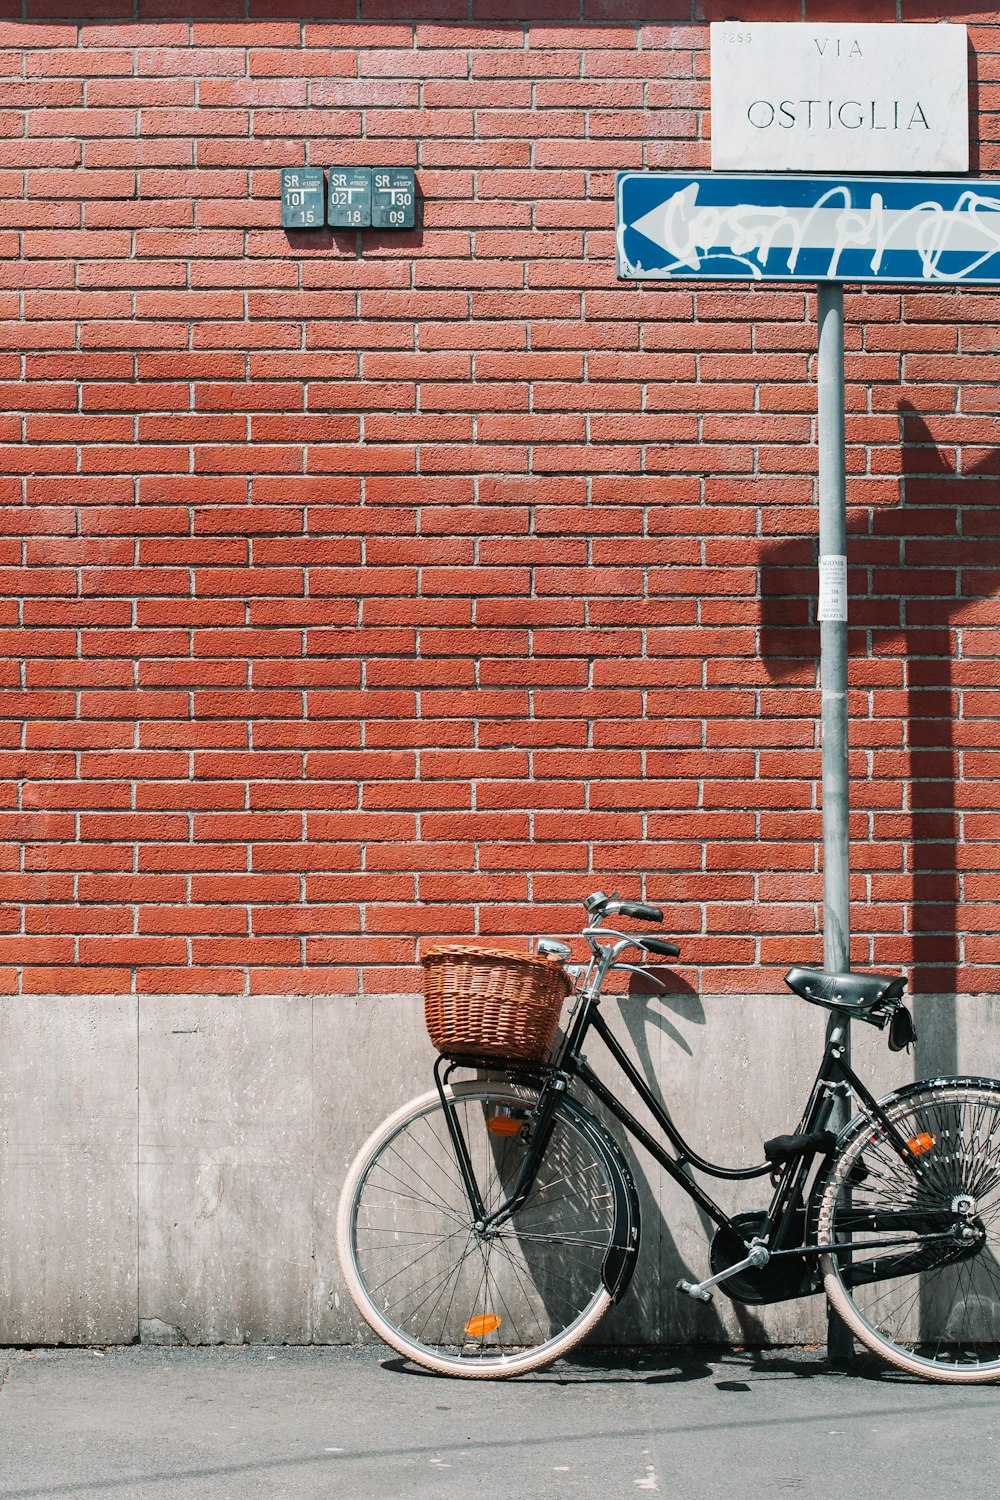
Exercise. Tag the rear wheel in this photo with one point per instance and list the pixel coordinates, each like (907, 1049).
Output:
(921, 1284)
(459, 1300)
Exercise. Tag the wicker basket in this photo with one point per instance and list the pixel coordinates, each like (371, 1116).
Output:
(485, 1002)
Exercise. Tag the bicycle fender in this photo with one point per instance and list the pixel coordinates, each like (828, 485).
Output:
(966, 1080)
(623, 1252)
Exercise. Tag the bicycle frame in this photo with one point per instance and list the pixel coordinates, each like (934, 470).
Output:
(790, 1177)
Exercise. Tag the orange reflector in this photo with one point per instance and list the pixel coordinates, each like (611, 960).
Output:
(921, 1144)
(485, 1323)
(504, 1125)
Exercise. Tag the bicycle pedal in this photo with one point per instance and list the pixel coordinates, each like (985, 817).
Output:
(692, 1289)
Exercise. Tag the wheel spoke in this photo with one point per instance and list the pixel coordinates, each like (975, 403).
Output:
(493, 1300)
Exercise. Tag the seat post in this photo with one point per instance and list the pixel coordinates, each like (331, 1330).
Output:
(837, 1035)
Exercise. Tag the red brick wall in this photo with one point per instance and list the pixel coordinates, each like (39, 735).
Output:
(362, 591)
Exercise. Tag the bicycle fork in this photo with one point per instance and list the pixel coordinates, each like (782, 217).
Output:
(622, 1250)
(542, 1120)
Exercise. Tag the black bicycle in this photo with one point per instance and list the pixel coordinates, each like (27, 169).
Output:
(485, 1228)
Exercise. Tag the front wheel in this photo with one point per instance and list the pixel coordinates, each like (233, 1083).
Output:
(920, 1283)
(457, 1299)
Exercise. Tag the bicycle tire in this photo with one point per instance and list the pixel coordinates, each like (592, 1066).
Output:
(930, 1307)
(444, 1296)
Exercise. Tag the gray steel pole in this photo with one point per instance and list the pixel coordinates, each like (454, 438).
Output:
(833, 631)
(833, 677)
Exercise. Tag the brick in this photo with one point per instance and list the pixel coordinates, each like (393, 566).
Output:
(196, 981)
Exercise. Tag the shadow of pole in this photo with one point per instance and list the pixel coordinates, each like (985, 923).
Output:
(931, 600)
(916, 570)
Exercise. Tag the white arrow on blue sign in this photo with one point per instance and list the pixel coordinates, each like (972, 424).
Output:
(675, 225)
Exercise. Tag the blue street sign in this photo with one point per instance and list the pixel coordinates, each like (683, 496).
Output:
(936, 232)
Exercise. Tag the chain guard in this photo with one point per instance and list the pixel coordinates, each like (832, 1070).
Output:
(778, 1281)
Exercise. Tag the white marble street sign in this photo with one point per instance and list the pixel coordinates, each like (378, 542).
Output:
(792, 96)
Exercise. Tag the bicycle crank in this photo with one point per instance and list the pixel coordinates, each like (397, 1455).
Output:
(757, 1255)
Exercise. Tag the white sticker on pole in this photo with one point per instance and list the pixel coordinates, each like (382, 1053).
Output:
(832, 587)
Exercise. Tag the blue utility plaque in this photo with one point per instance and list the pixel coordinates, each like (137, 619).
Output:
(302, 198)
(349, 203)
(394, 198)
(929, 231)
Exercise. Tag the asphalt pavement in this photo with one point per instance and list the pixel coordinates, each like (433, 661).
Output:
(293, 1424)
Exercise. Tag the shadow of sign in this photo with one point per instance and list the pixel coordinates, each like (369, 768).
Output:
(924, 631)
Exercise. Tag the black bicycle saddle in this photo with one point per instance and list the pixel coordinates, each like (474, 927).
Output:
(854, 994)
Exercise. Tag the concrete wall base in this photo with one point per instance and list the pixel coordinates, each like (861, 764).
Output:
(171, 1166)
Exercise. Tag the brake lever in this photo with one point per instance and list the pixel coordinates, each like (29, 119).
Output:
(634, 969)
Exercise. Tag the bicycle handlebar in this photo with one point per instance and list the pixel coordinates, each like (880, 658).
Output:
(600, 905)
(639, 911)
(659, 945)
(607, 955)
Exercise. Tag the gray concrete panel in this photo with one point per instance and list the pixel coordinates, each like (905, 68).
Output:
(67, 1171)
(370, 1056)
(225, 1183)
(173, 1165)
(957, 1034)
